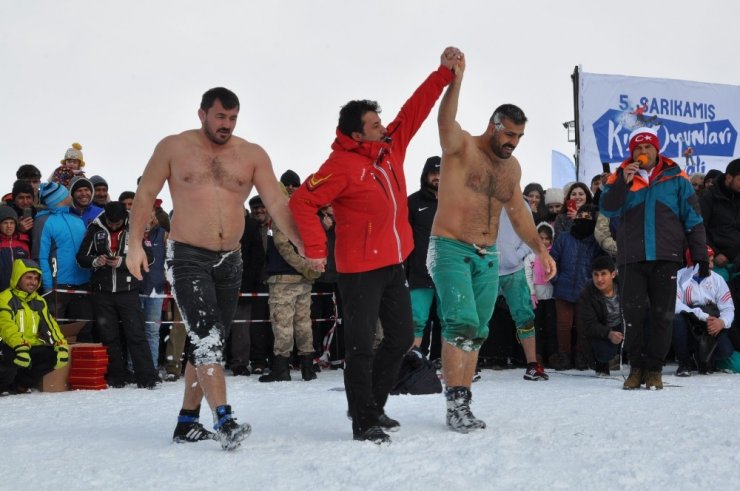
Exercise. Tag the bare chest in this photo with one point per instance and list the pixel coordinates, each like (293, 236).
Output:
(225, 171)
(489, 182)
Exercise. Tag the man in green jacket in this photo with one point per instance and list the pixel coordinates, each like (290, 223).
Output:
(31, 343)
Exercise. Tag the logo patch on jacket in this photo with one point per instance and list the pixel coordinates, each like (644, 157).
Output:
(315, 181)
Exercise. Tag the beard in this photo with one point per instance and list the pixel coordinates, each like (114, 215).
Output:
(501, 151)
(432, 185)
(218, 137)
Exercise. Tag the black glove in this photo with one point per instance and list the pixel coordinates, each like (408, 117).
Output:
(703, 269)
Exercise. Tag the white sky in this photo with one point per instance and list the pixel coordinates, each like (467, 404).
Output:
(119, 77)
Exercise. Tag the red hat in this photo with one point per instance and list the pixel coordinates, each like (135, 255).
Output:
(644, 135)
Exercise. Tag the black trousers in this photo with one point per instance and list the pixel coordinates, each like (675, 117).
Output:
(43, 359)
(122, 309)
(368, 377)
(239, 343)
(648, 287)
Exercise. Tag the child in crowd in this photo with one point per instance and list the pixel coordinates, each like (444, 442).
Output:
(542, 300)
(13, 244)
(71, 167)
(573, 252)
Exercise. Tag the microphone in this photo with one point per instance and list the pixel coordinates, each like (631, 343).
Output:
(643, 159)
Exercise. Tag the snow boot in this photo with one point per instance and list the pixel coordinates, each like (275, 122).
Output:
(228, 431)
(459, 416)
(280, 370)
(388, 424)
(307, 368)
(373, 434)
(653, 379)
(634, 380)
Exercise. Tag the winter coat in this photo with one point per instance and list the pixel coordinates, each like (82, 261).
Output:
(11, 248)
(422, 208)
(658, 216)
(691, 295)
(573, 258)
(24, 317)
(97, 242)
(365, 183)
(253, 256)
(592, 311)
(720, 208)
(89, 214)
(60, 238)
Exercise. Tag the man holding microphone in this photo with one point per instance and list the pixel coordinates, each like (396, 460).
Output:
(658, 213)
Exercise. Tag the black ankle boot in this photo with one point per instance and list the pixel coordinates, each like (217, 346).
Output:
(280, 370)
(307, 368)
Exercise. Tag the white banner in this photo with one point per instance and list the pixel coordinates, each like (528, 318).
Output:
(696, 122)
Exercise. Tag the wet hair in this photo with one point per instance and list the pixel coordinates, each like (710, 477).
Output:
(510, 112)
(228, 99)
(603, 262)
(350, 116)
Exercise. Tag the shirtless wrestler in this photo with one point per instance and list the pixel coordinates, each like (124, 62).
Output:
(210, 174)
(479, 176)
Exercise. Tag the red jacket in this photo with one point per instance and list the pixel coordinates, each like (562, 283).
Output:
(365, 184)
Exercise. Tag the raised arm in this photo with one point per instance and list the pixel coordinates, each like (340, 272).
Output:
(451, 135)
(155, 174)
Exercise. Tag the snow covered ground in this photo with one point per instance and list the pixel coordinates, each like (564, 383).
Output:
(570, 432)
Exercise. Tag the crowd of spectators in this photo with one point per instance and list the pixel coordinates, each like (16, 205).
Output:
(63, 243)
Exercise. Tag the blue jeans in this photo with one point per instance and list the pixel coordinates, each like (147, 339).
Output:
(152, 308)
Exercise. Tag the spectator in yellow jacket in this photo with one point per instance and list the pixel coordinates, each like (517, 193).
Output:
(31, 343)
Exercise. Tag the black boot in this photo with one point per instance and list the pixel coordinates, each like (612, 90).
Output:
(280, 370)
(307, 368)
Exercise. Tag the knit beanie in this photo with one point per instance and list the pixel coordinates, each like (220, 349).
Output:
(21, 186)
(74, 152)
(78, 182)
(8, 212)
(554, 195)
(290, 178)
(52, 193)
(98, 181)
(644, 135)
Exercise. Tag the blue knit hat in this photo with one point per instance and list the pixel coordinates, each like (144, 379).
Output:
(52, 193)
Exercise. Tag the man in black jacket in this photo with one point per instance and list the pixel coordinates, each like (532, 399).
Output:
(253, 256)
(422, 207)
(116, 296)
(720, 208)
(600, 313)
